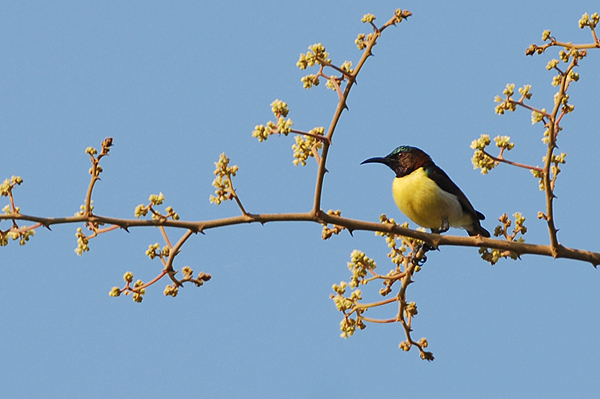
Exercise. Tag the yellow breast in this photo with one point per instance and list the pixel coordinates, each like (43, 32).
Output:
(425, 203)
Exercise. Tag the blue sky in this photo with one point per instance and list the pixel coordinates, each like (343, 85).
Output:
(177, 83)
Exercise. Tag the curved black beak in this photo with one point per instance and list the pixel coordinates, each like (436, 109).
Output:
(385, 160)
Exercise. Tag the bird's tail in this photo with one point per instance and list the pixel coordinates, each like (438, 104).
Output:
(477, 229)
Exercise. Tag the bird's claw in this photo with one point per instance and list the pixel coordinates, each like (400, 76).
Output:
(444, 228)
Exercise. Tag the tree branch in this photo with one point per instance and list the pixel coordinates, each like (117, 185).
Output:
(434, 240)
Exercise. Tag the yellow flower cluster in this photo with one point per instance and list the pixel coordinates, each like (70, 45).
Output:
(222, 181)
(537, 116)
(525, 91)
(347, 67)
(316, 55)
(493, 255)
(363, 40)
(82, 242)
(410, 310)
(283, 126)
(138, 295)
(358, 265)
(592, 21)
(154, 251)
(22, 236)
(8, 184)
(171, 291)
(546, 35)
(480, 159)
(396, 253)
(349, 325)
(327, 232)
(309, 81)
(156, 199)
(306, 146)
(343, 304)
(368, 18)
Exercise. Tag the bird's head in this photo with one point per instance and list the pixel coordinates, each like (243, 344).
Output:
(403, 160)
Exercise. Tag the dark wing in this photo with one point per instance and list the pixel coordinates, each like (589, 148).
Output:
(445, 183)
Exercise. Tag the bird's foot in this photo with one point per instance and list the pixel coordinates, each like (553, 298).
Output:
(444, 228)
(426, 248)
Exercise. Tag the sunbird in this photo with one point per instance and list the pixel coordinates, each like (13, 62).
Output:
(425, 193)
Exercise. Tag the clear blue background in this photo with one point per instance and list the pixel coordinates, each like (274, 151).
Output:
(176, 83)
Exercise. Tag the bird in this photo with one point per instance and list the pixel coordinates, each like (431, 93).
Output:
(426, 195)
